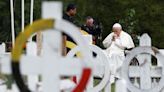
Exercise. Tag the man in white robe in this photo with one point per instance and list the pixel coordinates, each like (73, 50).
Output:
(116, 42)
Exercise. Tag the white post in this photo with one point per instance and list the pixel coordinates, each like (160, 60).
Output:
(3, 88)
(145, 78)
(12, 22)
(31, 16)
(121, 86)
(32, 49)
(88, 39)
(15, 88)
(107, 88)
(22, 15)
(51, 10)
(31, 11)
(159, 63)
(2, 48)
(32, 80)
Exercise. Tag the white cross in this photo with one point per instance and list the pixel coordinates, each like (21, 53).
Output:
(100, 67)
(51, 65)
(135, 71)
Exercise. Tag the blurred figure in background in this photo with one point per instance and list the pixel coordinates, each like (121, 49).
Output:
(70, 13)
(92, 28)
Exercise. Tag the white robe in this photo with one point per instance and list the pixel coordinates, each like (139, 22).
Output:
(115, 49)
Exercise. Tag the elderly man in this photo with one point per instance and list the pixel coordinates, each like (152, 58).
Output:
(116, 42)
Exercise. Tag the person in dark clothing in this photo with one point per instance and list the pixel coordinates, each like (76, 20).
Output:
(70, 13)
(92, 28)
(69, 16)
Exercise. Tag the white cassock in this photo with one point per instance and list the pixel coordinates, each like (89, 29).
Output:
(115, 49)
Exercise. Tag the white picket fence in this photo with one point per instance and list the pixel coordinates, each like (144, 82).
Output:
(144, 74)
(141, 76)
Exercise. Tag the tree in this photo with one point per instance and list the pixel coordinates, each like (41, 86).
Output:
(138, 17)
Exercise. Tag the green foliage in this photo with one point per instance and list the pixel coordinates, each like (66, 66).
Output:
(130, 24)
(136, 16)
(5, 17)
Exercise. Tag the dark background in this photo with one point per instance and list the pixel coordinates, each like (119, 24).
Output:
(136, 16)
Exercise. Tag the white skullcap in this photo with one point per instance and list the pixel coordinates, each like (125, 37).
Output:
(117, 25)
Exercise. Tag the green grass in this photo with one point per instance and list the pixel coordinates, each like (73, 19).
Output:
(10, 81)
(97, 81)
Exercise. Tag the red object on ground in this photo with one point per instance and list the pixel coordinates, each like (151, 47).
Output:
(74, 79)
(83, 81)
